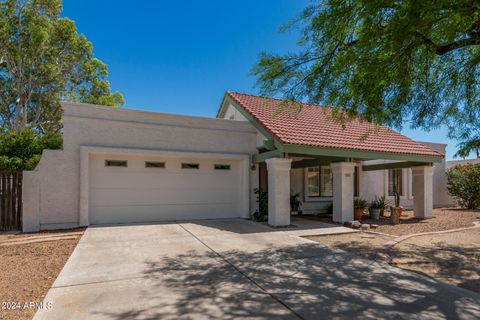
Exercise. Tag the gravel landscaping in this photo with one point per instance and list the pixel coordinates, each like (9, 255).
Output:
(443, 219)
(452, 257)
(29, 264)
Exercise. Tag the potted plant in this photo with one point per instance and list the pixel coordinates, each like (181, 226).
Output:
(383, 204)
(375, 207)
(359, 206)
(295, 203)
(396, 211)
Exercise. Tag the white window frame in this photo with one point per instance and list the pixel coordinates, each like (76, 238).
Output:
(406, 185)
(308, 198)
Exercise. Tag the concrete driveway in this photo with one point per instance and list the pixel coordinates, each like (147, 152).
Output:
(231, 269)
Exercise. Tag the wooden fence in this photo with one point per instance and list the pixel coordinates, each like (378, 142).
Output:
(10, 201)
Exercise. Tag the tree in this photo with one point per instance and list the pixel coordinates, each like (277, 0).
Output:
(44, 60)
(390, 62)
(464, 185)
(22, 151)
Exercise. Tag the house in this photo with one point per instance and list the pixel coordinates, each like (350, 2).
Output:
(453, 163)
(128, 166)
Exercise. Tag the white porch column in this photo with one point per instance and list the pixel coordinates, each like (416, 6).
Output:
(278, 191)
(423, 191)
(343, 175)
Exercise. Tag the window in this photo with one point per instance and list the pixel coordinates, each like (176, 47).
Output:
(154, 164)
(116, 163)
(313, 182)
(326, 182)
(395, 182)
(319, 182)
(221, 167)
(190, 166)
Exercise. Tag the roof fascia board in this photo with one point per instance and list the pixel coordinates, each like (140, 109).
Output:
(306, 163)
(261, 157)
(394, 165)
(358, 154)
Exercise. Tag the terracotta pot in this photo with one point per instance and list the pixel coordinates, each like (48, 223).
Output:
(382, 213)
(357, 214)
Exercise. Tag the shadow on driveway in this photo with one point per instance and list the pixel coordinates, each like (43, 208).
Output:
(306, 281)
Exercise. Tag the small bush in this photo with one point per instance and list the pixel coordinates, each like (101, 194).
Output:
(262, 199)
(464, 185)
(22, 151)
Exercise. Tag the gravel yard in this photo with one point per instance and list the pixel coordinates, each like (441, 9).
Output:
(29, 264)
(452, 257)
(443, 219)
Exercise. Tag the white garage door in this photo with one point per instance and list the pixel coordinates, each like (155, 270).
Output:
(138, 189)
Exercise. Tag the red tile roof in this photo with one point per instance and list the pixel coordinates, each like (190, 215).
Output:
(313, 126)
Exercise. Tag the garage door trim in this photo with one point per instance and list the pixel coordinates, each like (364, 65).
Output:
(86, 151)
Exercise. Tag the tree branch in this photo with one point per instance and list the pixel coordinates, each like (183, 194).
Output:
(441, 50)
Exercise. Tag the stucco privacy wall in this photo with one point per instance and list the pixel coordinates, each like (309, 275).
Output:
(52, 190)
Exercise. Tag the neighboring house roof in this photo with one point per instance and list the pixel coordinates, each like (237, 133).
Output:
(453, 163)
(314, 127)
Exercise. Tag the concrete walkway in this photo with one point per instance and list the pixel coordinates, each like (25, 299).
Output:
(231, 269)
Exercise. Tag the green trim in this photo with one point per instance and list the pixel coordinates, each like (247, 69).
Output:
(306, 163)
(261, 157)
(346, 153)
(269, 144)
(394, 165)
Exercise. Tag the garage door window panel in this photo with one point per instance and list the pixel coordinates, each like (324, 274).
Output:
(190, 166)
(116, 163)
(154, 164)
(225, 167)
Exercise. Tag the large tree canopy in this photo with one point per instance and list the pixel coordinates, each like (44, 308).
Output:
(391, 62)
(44, 60)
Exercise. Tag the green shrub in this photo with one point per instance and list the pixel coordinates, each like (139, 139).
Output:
(262, 199)
(464, 185)
(359, 203)
(22, 151)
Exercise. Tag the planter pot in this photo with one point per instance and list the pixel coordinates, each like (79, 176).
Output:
(375, 213)
(357, 214)
(395, 213)
(382, 213)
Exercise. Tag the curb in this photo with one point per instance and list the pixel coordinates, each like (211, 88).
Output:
(399, 239)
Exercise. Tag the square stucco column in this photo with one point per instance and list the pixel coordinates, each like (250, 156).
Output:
(279, 191)
(343, 174)
(422, 192)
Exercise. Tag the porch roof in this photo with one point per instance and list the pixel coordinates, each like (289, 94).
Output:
(303, 126)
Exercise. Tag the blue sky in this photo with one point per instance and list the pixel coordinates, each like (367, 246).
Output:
(181, 56)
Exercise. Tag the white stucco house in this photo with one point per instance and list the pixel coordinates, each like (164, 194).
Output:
(129, 166)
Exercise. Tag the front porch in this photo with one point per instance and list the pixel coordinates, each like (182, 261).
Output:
(285, 169)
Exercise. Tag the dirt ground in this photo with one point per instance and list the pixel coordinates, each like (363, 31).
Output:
(449, 257)
(29, 264)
